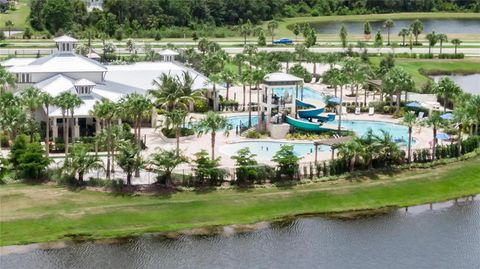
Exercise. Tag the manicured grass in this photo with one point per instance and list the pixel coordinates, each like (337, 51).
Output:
(462, 66)
(283, 30)
(18, 16)
(44, 213)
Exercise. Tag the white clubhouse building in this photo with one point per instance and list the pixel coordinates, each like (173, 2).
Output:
(65, 70)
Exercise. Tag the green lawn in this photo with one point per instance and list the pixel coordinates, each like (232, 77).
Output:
(44, 213)
(18, 17)
(412, 66)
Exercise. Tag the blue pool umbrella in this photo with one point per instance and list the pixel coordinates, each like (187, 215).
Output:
(443, 136)
(414, 105)
(447, 116)
(334, 100)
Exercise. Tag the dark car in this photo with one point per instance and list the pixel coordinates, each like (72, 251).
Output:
(285, 41)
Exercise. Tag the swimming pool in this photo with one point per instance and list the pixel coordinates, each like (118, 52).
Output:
(236, 121)
(361, 127)
(265, 150)
(307, 93)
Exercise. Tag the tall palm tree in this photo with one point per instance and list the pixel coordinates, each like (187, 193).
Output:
(213, 123)
(136, 107)
(215, 79)
(396, 81)
(129, 159)
(246, 30)
(388, 150)
(7, 80)
(342, 80)
(462, 117)
(229, 78)
(81, 162)
(31, 100)
(432, 40)
(435, 121)
(175, 92)
(257, 77)
(409, 119)
(272, 26)
(245, 79)
(106, 111)
(47, 100)
(67, 102)
(239, 60)
(174, 119)
(447, 88)
(404, 33)
(456, 42)
(9, 24)
(389, 24)
(416, 28)
(352, 151)
(442, 38)
(74, 102)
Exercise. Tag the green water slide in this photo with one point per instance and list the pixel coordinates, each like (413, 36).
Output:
(311, 111)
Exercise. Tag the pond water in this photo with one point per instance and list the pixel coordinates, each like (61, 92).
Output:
(469, 83)
(446, 237)
(446, 26)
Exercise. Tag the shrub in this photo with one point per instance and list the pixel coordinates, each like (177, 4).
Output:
(425, 56)
(200, 106)
(451, 56)
(170, 133)
(207, 171)
(4, 141)
(287, 161)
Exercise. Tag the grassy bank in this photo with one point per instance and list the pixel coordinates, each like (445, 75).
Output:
(18, 16)
(435, 66)
(45, 213)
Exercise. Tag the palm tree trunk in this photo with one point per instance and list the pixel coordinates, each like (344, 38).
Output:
(80, 178)
(356, 95)
(409, 143)
(258, 105)
(398, 100)
(213, 144)
(244, 96)
(455, 50)
(47, 135)
(445, 99)
(340, 113)
(250, 106)
(352, 164)
(129, 179)
(177, 136)
(460, 140)
(228, 89)
(434, 143)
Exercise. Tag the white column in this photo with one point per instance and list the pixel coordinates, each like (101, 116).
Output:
(76, 128)
(54, 128)
(119, 122)
(154, 117)
(98, 127)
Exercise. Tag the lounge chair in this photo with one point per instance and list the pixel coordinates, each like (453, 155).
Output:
(357, 111)
(420, 115)
(371, 111)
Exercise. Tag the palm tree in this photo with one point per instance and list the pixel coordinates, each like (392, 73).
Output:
(212, 123)
(174, 119)
(215, 79)
(432, 40)
(435, 121)
(7, 80)
(462, 117)
(404, 32)
(456, 42)
(387, 149)
(229, 78)
(246, 30)
(81, 162)
(129, 159)
(239, 60)
(31, 99)
(257, 77)
(389, 24)
(447, 88)
(396, 81)
(47, 100)
(175, 92)
(409, 119)
(164, 161)
(66, 101)
(297, 28)
(105, 111)
(442, 38)
(475, 103)
(73, 102)
(245, 79)
(342, 80)
(416, 28)
(136, 107)
(9, 24)
(352, 152)
(272, 25)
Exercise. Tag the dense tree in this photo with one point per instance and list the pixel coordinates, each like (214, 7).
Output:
(396, 81)
(163, 162)
(448, 89)
(287, 161)
(343, 36)
(7, 80)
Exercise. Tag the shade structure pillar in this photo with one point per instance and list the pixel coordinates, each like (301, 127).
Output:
(316, 153)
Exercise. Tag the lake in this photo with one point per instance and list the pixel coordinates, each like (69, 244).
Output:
(446, 237)
(469, 83)
(445, 26)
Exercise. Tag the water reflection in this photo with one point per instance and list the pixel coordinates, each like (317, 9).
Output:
(445, 26)
(446, 237)
(468, 83)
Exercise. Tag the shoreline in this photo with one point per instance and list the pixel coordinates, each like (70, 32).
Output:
(88, 215)
(233, 229)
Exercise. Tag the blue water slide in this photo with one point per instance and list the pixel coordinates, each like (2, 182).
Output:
(310, 111)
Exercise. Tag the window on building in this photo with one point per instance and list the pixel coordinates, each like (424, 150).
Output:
(24, 78)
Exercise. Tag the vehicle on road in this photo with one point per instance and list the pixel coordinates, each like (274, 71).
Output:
(284, 41)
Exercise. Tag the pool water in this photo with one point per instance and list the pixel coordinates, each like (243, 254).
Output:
(265, 150)
(361, 127)
(237, 121)
(307, 93)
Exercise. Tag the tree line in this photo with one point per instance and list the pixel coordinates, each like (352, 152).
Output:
(140, 18)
